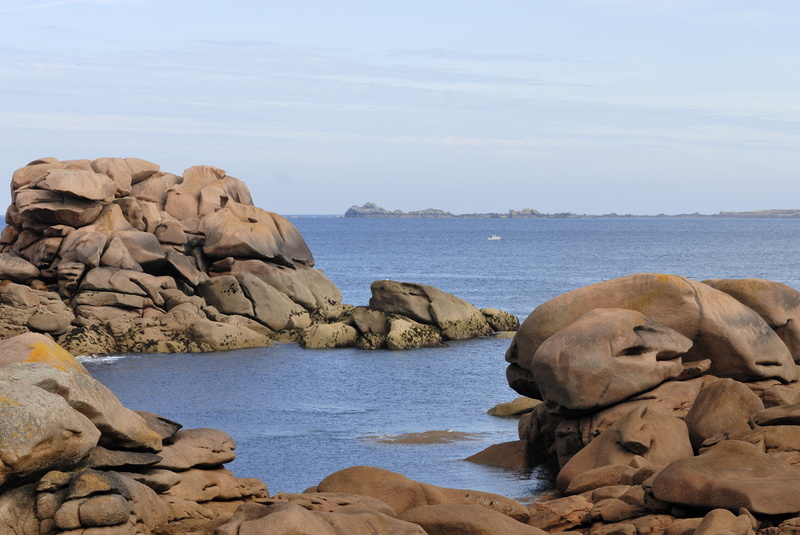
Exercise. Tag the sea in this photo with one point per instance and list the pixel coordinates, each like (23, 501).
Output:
(299, 415)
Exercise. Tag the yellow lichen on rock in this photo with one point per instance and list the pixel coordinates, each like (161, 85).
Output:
(34, 347)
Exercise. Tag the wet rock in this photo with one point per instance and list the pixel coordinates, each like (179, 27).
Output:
(328, 336)
(500, 320)
(408, 334)
(221, 336)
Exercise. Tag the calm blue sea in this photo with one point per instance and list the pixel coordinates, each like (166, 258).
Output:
(299, 415)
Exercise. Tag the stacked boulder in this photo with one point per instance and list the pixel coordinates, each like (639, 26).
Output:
(405, 315)
(113, 254)
(669, 405)
(74, 460)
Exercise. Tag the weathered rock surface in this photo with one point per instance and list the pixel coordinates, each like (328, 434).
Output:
(732, 475)
(109, 235)
(96, 243)
(737, 341)
(672, 446)
(293, 519)
(606, 356)
(443, 519)
(456, 318)
(703, 439)
(642, 434)
(56, 478)
(402, 494)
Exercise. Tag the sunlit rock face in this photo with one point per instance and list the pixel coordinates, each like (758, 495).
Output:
(109, 247)
(739, 343)
(659, 391)
(116, 255)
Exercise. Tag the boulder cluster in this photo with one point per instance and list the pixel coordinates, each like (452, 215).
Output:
(115, 255)
(75, 461)
(669, 405)
(405, 315)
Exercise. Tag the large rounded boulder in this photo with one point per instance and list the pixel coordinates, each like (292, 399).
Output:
(738, 342)
(778, 304)
(604, 357)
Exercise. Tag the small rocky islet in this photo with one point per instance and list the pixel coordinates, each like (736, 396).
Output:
(114, 255)
(667, 405)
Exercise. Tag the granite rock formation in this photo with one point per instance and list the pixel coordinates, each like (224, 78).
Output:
(697, 453)
(75, 461)
(115, 255)
(669, 406)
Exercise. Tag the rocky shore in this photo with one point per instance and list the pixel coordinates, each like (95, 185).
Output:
(670, 405)
(75, 461)
(114, 255)
(667, 405)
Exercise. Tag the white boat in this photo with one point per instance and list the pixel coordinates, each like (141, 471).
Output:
(494, 237)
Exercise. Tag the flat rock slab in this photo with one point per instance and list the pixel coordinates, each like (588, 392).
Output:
(731, 475)
(427, 437)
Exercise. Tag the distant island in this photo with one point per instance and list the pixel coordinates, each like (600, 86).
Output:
(371, 209)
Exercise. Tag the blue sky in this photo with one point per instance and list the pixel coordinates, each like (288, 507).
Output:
(586, 106)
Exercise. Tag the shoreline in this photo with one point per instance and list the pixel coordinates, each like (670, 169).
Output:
(371, 210)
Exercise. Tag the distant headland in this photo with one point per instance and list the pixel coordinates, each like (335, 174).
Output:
(371, 209)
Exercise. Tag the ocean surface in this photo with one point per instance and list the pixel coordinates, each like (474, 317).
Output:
(298, 415)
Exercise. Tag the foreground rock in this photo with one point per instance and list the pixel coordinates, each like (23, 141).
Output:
(115, 255)
(696, 453)
(74, 461)
(669, 406)
(73, 458)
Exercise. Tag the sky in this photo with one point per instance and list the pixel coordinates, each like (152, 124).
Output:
(583, 106)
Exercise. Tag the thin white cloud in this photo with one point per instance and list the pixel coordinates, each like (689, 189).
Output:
(459, 55)
(58, 3)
